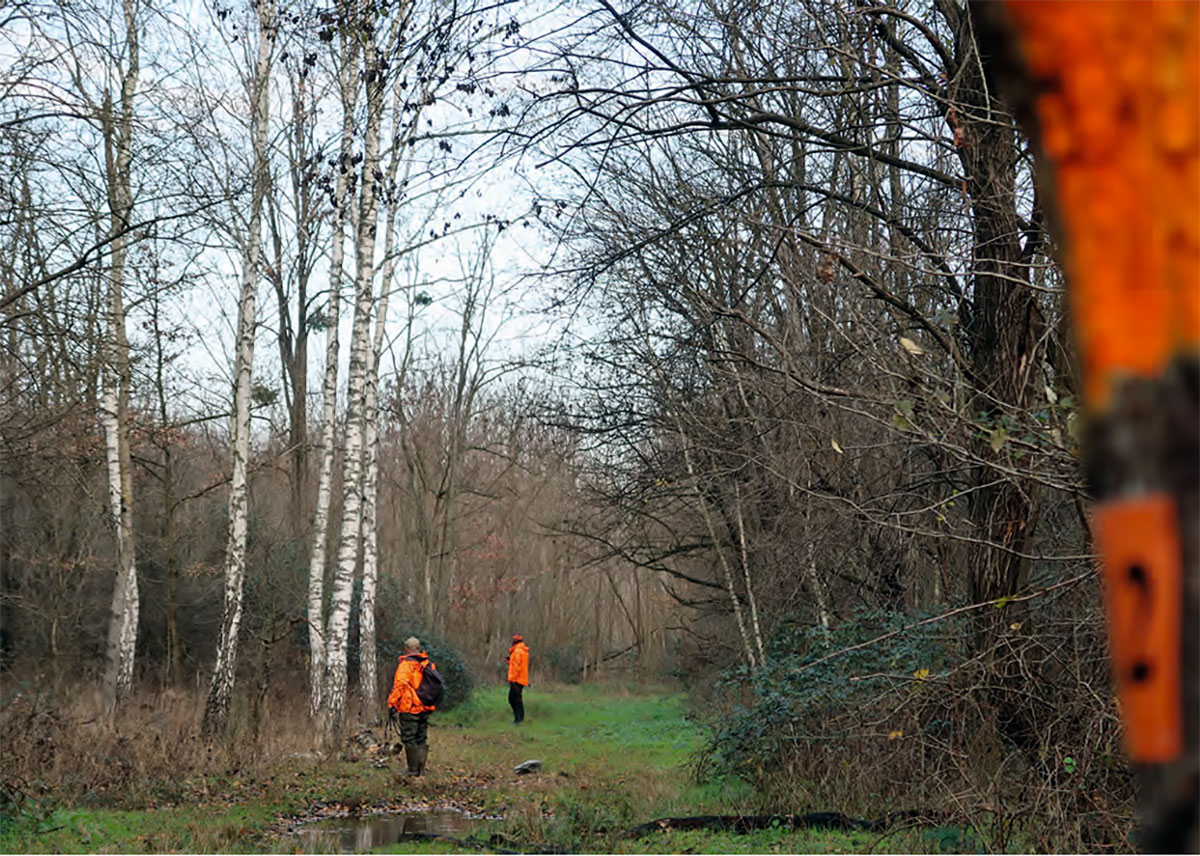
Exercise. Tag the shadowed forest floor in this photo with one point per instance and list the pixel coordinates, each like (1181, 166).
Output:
(612, 759)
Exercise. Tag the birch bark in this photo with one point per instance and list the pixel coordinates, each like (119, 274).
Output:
(216, 710)
(118, 151)
(368, 681)
(316, 566)
(337, 630)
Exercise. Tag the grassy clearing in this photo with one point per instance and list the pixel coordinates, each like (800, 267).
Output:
(179, 828)
(613, 757)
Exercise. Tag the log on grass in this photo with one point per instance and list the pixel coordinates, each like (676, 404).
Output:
(750, 822)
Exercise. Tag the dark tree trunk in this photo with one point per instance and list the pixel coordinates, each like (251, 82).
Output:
(1004, 328)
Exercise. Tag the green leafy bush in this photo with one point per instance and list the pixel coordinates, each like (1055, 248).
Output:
(888, 713)
(395, 626)
(801, 690)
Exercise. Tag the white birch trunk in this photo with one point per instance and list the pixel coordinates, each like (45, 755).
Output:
(367, 673)
(123, 622)
(744, 555)
(216, 709)
(337, 631)
(316, 565)
(368, 680)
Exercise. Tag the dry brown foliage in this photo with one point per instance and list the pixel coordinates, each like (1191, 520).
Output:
(55, 747)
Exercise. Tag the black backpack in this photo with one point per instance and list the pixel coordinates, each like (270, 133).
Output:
(432, 687)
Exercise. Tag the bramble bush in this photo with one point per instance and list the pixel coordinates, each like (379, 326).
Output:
(797, 688)
(1019, 741)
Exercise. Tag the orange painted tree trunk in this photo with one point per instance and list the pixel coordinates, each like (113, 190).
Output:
(1111, 93)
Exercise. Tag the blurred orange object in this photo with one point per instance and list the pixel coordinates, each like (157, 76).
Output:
(1119, 114)
(1139, 540)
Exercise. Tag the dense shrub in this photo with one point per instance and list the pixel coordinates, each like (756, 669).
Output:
(566, 663)
(792, 699)
(394, 626)
(1019, 741)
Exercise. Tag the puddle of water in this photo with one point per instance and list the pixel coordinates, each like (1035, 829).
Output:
(361, 834)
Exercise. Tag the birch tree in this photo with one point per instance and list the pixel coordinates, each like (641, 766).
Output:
(116, 121)
(344, 182)
(333, 699)
(368, 681)
(216, 708)
(387, 52)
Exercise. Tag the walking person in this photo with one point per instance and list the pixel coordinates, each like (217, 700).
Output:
(518, 677)
(406, 708)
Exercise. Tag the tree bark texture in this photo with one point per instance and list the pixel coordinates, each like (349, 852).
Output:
(1004, 325)
(316, 565)
(118, 150)
(368, 678)
(337, 630)
(216, 710)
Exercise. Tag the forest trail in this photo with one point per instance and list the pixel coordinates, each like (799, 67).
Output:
(612, 758)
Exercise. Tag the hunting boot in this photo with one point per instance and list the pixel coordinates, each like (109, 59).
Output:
(422, 757)
(411, 754)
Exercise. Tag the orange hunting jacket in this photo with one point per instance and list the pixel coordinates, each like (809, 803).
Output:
(404, 687)
(518, 664)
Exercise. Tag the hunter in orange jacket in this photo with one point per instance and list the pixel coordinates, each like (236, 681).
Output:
(406, 711)
(403, 698)
(518, 662)
(518, 677)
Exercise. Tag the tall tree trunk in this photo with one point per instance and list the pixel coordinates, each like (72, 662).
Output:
(118, 150)
(1004, 328)
(367, 672)
(216, 709)
(316, 564)
(337, 631)
(368, 681)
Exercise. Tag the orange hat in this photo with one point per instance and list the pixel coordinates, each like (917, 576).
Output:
(517, 637)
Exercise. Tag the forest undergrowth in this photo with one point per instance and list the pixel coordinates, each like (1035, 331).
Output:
(613, 757)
